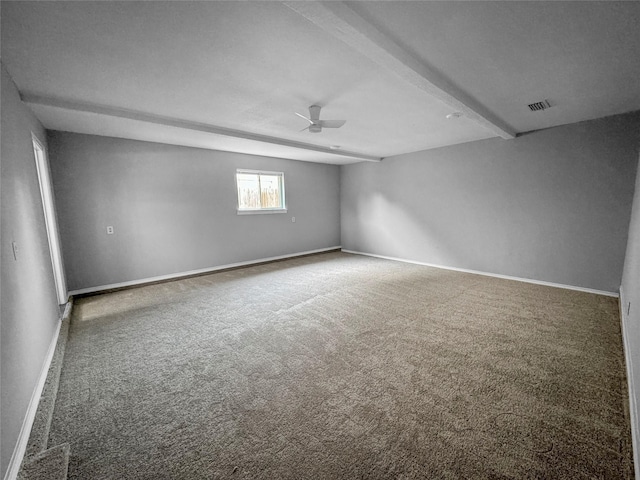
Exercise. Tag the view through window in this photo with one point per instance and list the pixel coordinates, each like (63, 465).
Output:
(260, 191)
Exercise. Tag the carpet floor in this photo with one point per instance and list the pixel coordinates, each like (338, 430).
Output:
(339, 366)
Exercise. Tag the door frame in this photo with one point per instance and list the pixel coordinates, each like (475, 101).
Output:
(50, 220)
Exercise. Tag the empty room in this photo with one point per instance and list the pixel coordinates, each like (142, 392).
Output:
(320, 240)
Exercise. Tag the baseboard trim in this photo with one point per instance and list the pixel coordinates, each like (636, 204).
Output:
(634, 416)
(25, 431)
(193, 273)
(488, 274)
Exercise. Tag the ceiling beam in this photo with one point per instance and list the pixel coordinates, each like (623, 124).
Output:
(340, 21)
(104, 110)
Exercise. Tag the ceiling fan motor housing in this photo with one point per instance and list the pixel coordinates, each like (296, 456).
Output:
(314, 112)
(315, 128)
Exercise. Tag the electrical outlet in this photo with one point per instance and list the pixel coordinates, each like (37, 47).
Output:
(109, 230)
(293, 219)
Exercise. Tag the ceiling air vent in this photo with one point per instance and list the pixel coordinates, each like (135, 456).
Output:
(543, 105)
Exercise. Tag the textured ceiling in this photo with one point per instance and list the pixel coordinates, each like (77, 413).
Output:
(230, 75)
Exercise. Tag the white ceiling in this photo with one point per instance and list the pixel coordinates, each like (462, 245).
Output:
(230, 75)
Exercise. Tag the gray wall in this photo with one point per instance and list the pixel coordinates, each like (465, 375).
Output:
(29, 307)
(552, 205)
(630, 306)
(173, 209)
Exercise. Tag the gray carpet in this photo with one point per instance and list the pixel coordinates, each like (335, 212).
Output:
(51, 464)
(338, 366)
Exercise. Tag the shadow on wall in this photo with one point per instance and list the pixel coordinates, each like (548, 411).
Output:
(32, 258)
(457, 236)
(383, 219)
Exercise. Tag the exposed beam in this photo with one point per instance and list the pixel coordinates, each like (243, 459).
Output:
(104, 110)
(340, 21)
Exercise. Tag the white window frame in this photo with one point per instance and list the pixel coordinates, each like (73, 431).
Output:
(258, 211)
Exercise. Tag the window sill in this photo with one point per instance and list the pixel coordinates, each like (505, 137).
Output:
(261, 211)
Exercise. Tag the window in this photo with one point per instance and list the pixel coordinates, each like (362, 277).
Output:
(260, 192)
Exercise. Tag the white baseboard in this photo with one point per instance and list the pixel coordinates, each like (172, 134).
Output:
(487, 274)
(634, 415)
(174, 276)
(25, 431)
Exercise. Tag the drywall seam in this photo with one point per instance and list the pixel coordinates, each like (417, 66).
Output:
(25, 431)
(634, 418)
(487, 274)
(201, 271)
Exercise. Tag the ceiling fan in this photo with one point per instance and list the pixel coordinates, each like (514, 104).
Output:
(315, 124)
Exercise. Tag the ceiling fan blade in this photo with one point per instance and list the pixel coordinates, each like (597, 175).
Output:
(302, 116)
(332, 123)
(306, 128)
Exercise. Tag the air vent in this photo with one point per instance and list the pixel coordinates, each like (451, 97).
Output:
(543, 105)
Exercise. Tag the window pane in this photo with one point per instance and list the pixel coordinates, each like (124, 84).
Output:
(248, 190)
(270, 193)
(260, 191)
